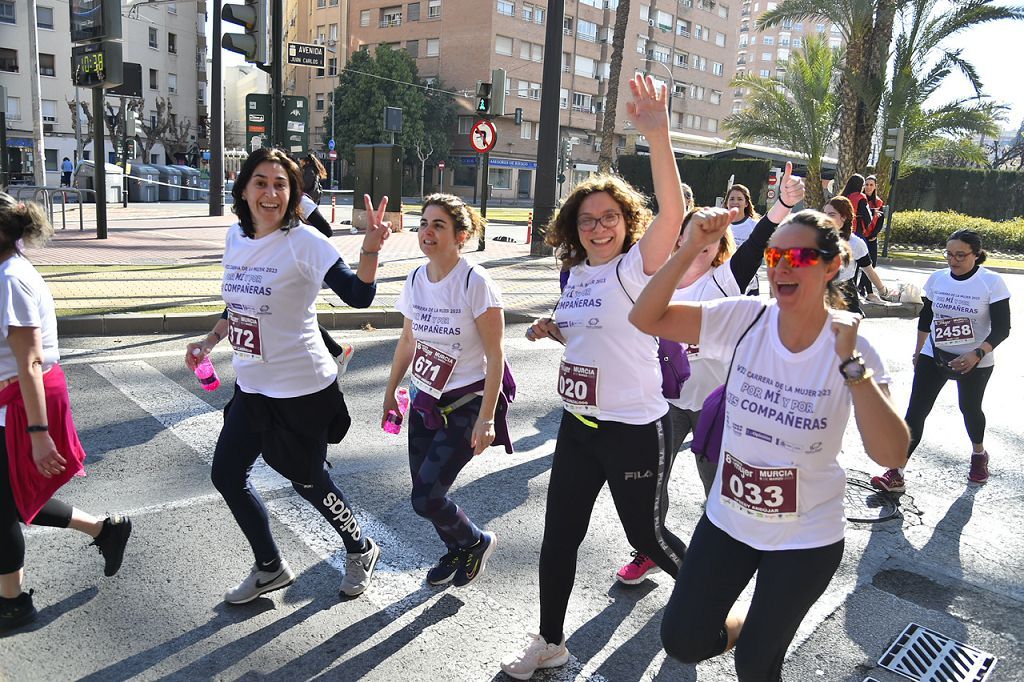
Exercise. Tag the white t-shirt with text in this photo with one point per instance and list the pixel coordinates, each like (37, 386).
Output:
(961, 318)
(860, 249)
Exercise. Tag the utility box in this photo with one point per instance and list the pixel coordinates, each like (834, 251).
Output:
(170, 176)
(378, 170)
(142, 190)
(83, 179)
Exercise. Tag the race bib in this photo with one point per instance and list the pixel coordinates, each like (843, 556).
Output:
(953, 331)
(768, 494)
(692, 352)
(244, 335)
(431, 369)
(577, 384)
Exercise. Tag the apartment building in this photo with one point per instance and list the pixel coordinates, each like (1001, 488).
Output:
(688, 44)
(766, 53)
(166, 39)
(240, 80)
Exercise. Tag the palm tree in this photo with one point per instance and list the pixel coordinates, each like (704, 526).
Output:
(611, 100)
(798, 112)
(921, 64)
(866, 27)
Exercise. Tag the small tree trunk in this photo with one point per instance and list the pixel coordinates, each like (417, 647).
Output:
(611, 100)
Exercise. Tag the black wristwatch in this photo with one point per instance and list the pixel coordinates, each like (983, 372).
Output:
(980, 352)
(853, 367)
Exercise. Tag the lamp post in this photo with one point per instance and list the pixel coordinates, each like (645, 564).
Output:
(671, 85)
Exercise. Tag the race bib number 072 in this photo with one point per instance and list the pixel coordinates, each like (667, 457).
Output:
(244, 335)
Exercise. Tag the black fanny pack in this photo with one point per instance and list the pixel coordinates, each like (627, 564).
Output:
(942, 359)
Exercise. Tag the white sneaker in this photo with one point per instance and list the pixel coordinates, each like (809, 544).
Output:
(535, 655)
(347, 351)
(874, 298)
(260, 582)
(359, 570)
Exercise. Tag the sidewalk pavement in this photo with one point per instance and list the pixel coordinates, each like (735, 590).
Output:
(167, 256)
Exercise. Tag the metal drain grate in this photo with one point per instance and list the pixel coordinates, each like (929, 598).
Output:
(864, 504)
(925, 655)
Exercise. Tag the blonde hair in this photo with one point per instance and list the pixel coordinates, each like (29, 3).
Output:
(24, 222)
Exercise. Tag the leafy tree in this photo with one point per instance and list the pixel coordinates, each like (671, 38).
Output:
(920, 66)
(943, 152)
(1011, 156)
(798, 112)
(611, 101)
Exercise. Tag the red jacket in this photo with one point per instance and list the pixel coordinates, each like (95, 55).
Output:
(32, 489)
(875, 204)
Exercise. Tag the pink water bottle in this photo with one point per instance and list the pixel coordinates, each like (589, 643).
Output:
(393, 422)
(206, 374)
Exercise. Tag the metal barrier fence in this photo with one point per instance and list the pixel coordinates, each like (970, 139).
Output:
(48, 193)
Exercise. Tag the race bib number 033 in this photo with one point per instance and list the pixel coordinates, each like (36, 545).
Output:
(431, 369)
(768, 494)
(953, 331)
(577, 384)
(244, 335)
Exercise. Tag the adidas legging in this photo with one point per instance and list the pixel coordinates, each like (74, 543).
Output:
(635, 461)
(435, 459)
(928, 382)
(54, 514)
(237, 449)
(716, 570)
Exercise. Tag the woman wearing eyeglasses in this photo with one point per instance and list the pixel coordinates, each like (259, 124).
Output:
(615, 425)
(966, 314)
(776, 507)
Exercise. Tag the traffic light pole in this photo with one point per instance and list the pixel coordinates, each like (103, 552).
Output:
(544, 195)
(485, 167)
(99, 159)
(889, 207)
(124, 155)
(278, 136)
(216, 197)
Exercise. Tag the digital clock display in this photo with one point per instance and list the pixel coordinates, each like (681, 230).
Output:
(96, 65)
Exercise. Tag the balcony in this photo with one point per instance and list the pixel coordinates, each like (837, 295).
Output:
(745, 13)
(391, 22)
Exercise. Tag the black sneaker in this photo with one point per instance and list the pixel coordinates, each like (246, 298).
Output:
(475, 560)
(111, 542)
(16, 612)
(446, 567)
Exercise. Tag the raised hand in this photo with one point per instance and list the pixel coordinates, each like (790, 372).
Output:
(707, 226)
(377, 229)
(649, 108)
(844, 326)
(791, 190)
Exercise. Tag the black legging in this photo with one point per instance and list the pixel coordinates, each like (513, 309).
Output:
(54, 514)
(864, 285)
(928, 381)
(635, 460)
(716, 570)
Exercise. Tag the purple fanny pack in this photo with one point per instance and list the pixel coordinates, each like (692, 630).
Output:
(675, 367)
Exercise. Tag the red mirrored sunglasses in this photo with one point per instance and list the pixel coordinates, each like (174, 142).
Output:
(797, 257)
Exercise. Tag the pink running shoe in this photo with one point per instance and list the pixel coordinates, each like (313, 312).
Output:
(637, 570)
(891, 481)
(979, 468)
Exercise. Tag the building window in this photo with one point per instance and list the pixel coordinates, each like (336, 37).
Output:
(660, 54)
(766, 56)
(712, 125)
(433, 47)
(320, 4)
(697, 92)
(14, 108)
(433, 9)
(503, 45)
(364, 18)
(332, 66)
(526, 130)
(49, 107)
(390, 17)
(719, 39)
(153, 79)
(333, 33)
(8, 60)
(798, 42)
(44, 17)
(716, 97)
(584, 66)
(414, 11)
(506, 8)
(665, 20)
(764, 73)
(531, 51)
(723, 11)
(645, 12)
(172, 83)
(538, 15)
(172, 8)
(716, 68)
(586, 30)
(768, 40)
(582, 102)
(465, 125)
(683, 28)
(563, 98)
(820, 28)
(567, 25)
(153, 43)
(527, 12)
(319, 101)
(500, 178)
(47, 65)
(700, 63)
(679, 90)
(7, 12)
(172, 43)
(413, 48)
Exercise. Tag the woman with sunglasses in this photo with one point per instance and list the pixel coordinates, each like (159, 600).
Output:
(719, 270)
(615, 425)
(776, 507)
(966, 314)
(840, 211)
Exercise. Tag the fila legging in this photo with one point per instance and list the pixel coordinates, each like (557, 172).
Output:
(716, 570)
(928, 382)
(238, 447)
(635, 461)
(54, 514)
(435, 460)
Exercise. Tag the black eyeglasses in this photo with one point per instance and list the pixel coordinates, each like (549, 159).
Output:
(958, 256)
(589, 223)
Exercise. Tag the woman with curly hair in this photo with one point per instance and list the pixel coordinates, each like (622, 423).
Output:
(452, 339)
(609, 379)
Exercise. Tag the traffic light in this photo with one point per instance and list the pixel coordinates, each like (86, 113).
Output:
(519, 116)
(483, 97)
(497, 92)
(254, 17)
(894, 143)
(131, 123)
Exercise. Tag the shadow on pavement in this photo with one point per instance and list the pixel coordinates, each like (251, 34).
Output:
(54, 611)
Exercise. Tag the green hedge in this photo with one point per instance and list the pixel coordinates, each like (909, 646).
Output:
(709, 178)
(997, 195)
(930, 228)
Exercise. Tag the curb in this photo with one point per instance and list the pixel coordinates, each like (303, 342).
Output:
(934, 265)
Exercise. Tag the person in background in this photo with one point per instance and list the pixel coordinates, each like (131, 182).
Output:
(966, 314)
(66, 169)
(840, 212)
(870, 236)
(312, 173)
(854, 191)
(738, 197)
(42, 451)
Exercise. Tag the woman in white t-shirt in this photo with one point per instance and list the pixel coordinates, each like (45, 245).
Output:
(840, 212)
(42, 451)
(452, 339)
(776, 507)
(738, 197)
(287, 405)
(615, 425)
(966, 314)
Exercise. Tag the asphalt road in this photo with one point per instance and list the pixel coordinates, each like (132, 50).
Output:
(950, 562)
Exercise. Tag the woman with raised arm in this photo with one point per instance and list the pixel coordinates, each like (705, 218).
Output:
(776, 506)
(615, 425)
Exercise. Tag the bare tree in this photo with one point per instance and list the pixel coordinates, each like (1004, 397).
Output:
(611, 100)
(423, 162)
(176, 133)
(153, 128)
(233, 138)
(84, 135)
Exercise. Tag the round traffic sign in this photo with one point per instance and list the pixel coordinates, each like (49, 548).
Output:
(330, 144)
(440, 165)
(332, 155)
(771, 194)
(482, 136)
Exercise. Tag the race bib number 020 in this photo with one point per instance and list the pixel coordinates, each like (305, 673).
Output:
(953, 331)
(431, 369)
(244, 335)
(766, 493)
(577, 384)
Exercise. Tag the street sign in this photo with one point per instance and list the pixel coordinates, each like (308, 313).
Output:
(771, 194)
(482, 136)
(330, 144)
(302, 54)
(293, 128)
(332, 155)
(440, 165)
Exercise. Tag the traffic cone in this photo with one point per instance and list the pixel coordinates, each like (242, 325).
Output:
(529, 228)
